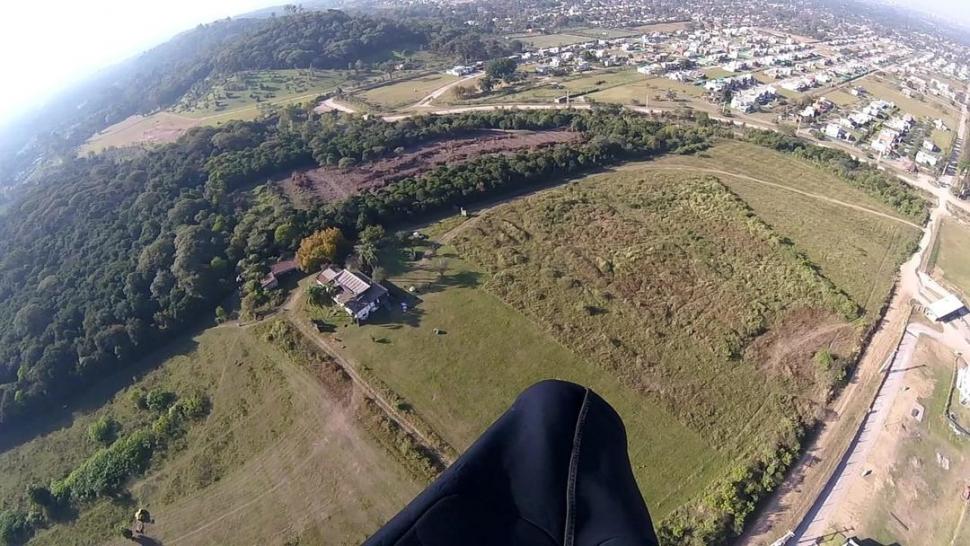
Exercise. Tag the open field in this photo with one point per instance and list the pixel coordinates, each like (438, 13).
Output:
(884, 88)
(488, 353)
(952, 255)
(158, 128)
(716, 72)
(601, 33)
(841, 97)
(404, 93)
(859, 252)
(551, 40)
(662, 27)
(656, 91)
(652, 277)
(334, 183)
(246, 90)
(279, 457)
(919, 466)
(546, 90)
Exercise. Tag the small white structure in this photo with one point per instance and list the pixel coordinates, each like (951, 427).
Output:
(944, 308)
(963, 385)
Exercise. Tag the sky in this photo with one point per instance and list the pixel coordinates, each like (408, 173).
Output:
(46, 45)
(957, 10)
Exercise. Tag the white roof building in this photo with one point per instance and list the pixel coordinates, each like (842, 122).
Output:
(943, 308)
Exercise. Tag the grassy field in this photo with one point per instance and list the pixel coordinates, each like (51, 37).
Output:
(717, 72)
(841, 97)
(488, 353)
(661, 27)
(887, 89)
(404, 93)
(953, 254)
(859, 252)
(245, 91)
(552, 40)
(277, 459)
(655, 90)
(548, 89)
(654, 278)
(601, 33)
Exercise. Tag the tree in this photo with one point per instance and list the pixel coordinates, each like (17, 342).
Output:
(285, 234)
(221, 315)
(104, 430)
(125, 532)
(500, 69)
(486, 84)
(324, 246)
(460, 92)
(40, 495)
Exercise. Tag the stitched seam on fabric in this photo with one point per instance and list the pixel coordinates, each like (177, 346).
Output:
(570, 537)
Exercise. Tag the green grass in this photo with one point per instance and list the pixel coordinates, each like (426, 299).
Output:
(552, 40)
(943, 139)
(546, 90)
(717, 72)
(859, 252)
(887, 89)
(601, 33)
(954, 254)
(654, 89)
(243, 92)
(841, 97)
(404, 93)
(664, 280)
(463, 379)
(276, 458)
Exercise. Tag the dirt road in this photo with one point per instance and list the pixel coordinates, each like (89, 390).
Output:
(822, 517)
(388, 408)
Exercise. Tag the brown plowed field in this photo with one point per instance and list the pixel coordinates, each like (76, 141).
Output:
(335, 183)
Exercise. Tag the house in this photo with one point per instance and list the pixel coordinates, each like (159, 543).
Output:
(354, 292)
(834, 130)
(927, 158)
(940, 125)
(276, 271)
(929, 146)
(461, 70)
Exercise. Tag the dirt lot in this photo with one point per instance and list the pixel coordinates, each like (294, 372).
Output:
(334, 183)
(917, 468)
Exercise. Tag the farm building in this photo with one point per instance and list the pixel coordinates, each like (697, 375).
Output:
(355, 292)
(945, 308)
(276, 271)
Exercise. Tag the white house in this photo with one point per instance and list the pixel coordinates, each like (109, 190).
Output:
(460, 70)
(927, 158)
(354, 292)
(834, 130)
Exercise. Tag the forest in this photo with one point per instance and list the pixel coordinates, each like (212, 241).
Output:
(159, 77)
(105, 258)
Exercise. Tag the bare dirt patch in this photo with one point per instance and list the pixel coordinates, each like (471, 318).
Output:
(335, 183)
(787, 350)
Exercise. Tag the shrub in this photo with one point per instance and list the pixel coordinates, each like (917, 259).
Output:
(15, 527)
(159, 400)
(104, 430)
